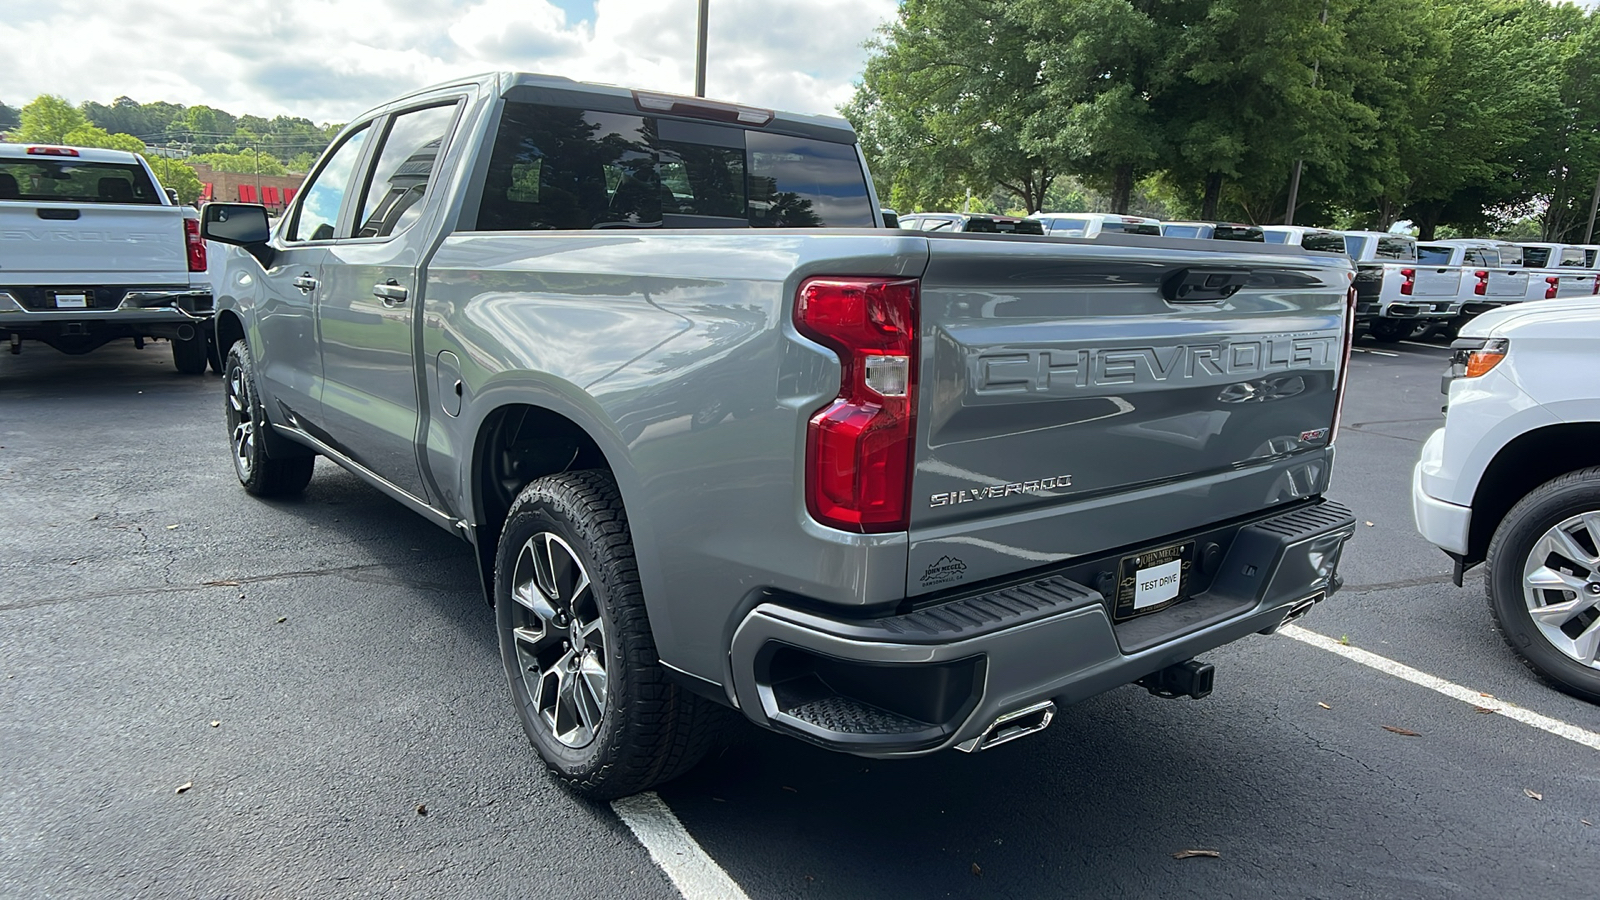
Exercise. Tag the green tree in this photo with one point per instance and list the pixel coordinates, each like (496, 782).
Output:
(945, 104)
(9, 118)
(178, 176)
(1099, 63)
(48, 119)
(87, 135)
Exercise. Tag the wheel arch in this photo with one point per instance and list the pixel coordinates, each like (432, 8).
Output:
(1529, 460)
(515, 443)
(230, 329)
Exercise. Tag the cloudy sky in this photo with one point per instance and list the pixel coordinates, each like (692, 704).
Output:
(328, 60)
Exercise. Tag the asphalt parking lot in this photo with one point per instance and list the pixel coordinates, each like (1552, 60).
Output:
(320, 679)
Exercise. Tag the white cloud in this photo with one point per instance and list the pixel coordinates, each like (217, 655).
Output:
(328, 60)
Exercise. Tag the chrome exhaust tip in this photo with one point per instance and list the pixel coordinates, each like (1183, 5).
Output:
(1012, 725)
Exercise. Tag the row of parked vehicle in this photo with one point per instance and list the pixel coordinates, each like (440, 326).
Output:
(1403, 286)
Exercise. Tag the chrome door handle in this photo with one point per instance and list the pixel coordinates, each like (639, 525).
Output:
(306, 283)
(391, 293)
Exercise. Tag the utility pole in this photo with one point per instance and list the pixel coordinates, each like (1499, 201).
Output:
(1594, 206)
(700, 51)
(1294, 177)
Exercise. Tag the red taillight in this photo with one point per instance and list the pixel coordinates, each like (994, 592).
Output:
(52, 151)
(195, 244)
(1344, 362)
(1555, 287)
(1482, 287)
(859, 447)
(1596, 285)
(1410, 276)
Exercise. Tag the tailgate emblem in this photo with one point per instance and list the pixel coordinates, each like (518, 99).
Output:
(995, 491)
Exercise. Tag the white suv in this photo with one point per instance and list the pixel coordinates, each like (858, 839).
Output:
(1513, 480)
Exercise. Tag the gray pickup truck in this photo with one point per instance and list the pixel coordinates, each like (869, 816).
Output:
(722, 441)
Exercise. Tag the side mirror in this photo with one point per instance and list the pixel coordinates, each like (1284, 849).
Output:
(241, 224)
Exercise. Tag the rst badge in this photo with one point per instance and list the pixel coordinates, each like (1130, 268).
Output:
(996, 491)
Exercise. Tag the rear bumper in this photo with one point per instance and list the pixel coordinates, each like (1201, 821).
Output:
(1419, 309)
(936, 677)
(137, 306)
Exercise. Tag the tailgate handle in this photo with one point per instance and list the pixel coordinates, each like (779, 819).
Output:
(64, 214)
(1203, 285)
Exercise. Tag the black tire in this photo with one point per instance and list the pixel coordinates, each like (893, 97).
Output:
(1390, 331)
(260, 474)
(649, 729)
(1524, 527)
(190, 355)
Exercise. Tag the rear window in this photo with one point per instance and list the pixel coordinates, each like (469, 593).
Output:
(1572, 257)
(72, 181)
(1393, 248)
(1065, 226)
(567, 169)
(1323, 242)
(1433, 256)
(1535, 257)
(977, 225)
(1130, 227)
(1589, 257)
(1020, 226)
(1183, 231)
(1282, 237)
(1238, 233)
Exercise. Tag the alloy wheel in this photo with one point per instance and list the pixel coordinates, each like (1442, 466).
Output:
(241, 424)
(1561, 586)
(560, 639)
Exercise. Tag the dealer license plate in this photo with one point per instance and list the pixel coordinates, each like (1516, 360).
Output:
(72, 300)
(1153, 580)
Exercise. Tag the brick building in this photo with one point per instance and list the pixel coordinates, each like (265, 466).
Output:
(272, 191)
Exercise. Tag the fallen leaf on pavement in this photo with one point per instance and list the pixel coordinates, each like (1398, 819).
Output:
(1587, 822)
(1369, 524)
(184, 787)
(282, 619)
(1402, 731)
(1482, 710)
(976, 869)
(422, 809)
(215, 723)
(170, 527)
(222, 584)
(1323, 705)
(790, 789)
(1533, 795)
(1190, 854)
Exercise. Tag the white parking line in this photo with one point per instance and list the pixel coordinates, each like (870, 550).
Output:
(693, 872)
(1454, 691)
(1373, 352)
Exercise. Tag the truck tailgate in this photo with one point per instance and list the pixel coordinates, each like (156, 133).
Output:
(1436, 281)
(68, 243)
(1068, 408)
(1507, 284)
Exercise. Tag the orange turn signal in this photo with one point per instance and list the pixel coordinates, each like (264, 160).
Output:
(1482, 360)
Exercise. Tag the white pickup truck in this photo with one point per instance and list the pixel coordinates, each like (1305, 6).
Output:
(1394, 292)
(93, 250)
(1512, 480)
(1560, 271)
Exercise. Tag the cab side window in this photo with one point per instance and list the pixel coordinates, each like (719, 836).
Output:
(319, 207)
(393, 198)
